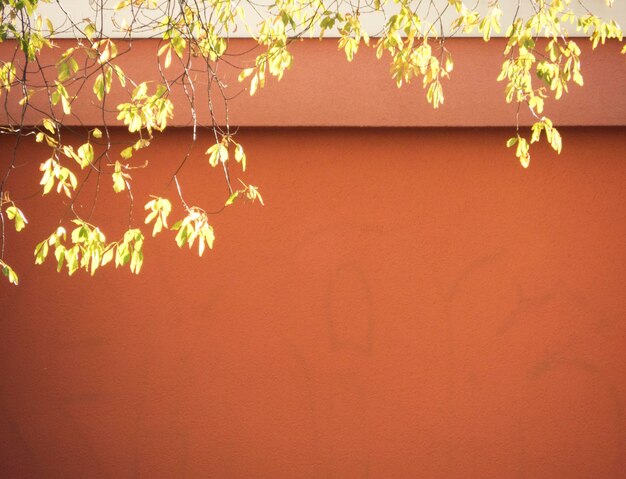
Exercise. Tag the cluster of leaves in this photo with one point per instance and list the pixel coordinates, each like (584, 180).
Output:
(541, 62)
(149, 112)
(555, 66)
(194, 226)
(89, 250)
(16, 215)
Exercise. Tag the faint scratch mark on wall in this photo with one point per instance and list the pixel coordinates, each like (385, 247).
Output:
(464, 276)
(525, 305)
(470, 269)
(350, 320)
(312, 395)
(346, 332)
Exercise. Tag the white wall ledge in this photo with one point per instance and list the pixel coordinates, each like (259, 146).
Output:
(79, 10)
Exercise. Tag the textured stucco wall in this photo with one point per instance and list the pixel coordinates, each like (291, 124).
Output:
(410, 303)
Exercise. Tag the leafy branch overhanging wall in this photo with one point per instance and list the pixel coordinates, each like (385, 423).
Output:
(541, 61)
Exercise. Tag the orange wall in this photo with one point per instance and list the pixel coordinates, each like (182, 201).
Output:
(410, 303)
